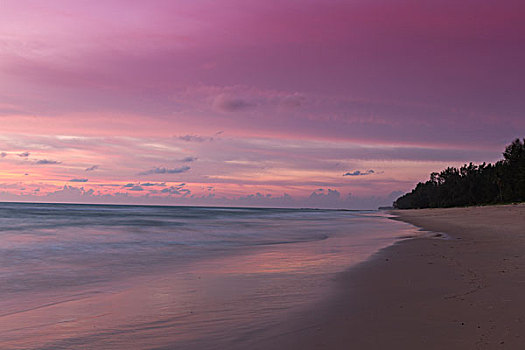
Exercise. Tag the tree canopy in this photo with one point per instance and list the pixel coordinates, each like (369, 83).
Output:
(502, 182)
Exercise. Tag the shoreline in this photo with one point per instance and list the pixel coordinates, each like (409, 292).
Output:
(464, 292)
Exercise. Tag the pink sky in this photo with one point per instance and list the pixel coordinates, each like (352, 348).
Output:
(239, 102)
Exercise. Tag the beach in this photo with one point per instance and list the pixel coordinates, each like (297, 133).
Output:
(156, 278)
(462, 290)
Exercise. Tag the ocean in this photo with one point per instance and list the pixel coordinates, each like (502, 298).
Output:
(166, 277)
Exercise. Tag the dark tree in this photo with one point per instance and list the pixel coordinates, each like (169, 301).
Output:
(503, 182)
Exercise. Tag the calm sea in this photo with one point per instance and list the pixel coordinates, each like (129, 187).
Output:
(153, 277)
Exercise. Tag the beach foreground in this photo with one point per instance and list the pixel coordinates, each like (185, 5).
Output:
(461, 292)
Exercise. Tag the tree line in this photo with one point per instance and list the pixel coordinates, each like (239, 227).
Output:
(502, 182)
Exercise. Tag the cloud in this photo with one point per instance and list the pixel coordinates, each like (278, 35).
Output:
(188, 159)
(359, 173)
(321, 194)
(91, 168)
(78, 180)
(149, 184)
(259, 199)
(292, 101)
(3, 155)
(228, 103)
(47, 161)
(176, 194)
(133, 187)
(140, 186)
(195, 138)
(170, 190)
(163, 170)
(257, 195)
(177, 190)
(24, 154)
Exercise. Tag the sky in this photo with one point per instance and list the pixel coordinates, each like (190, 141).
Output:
(274, 103)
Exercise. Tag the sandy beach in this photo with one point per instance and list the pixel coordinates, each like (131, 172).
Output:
(463, 292)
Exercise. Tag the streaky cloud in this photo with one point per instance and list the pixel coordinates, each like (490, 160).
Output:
(359, 173)
(228, 103)
(163, 170)
(188, 159)
(78, 180)
(149, 184)
(47, 161)
(195, 138)
(91, 168)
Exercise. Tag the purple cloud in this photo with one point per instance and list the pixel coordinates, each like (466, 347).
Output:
(188, 159)
(47, 161)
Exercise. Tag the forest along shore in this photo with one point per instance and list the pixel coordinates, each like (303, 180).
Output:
(484, 184)
(465, 292)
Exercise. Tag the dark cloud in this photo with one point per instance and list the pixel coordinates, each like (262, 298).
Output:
(188, 159)
(24, 154)
(47, 161)
(163, 170)
(91, 168)
(149, 184)
(3, 154)
(78, 180)
(229, 103)
(359, 173)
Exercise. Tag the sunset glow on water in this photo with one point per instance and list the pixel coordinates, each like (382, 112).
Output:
(110, 276)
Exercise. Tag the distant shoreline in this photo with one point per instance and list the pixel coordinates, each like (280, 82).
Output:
(465, 292)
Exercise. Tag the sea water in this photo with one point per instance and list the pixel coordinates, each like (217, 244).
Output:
(161, 277)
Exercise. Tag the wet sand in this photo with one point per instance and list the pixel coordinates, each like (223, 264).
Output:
(464, 292)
